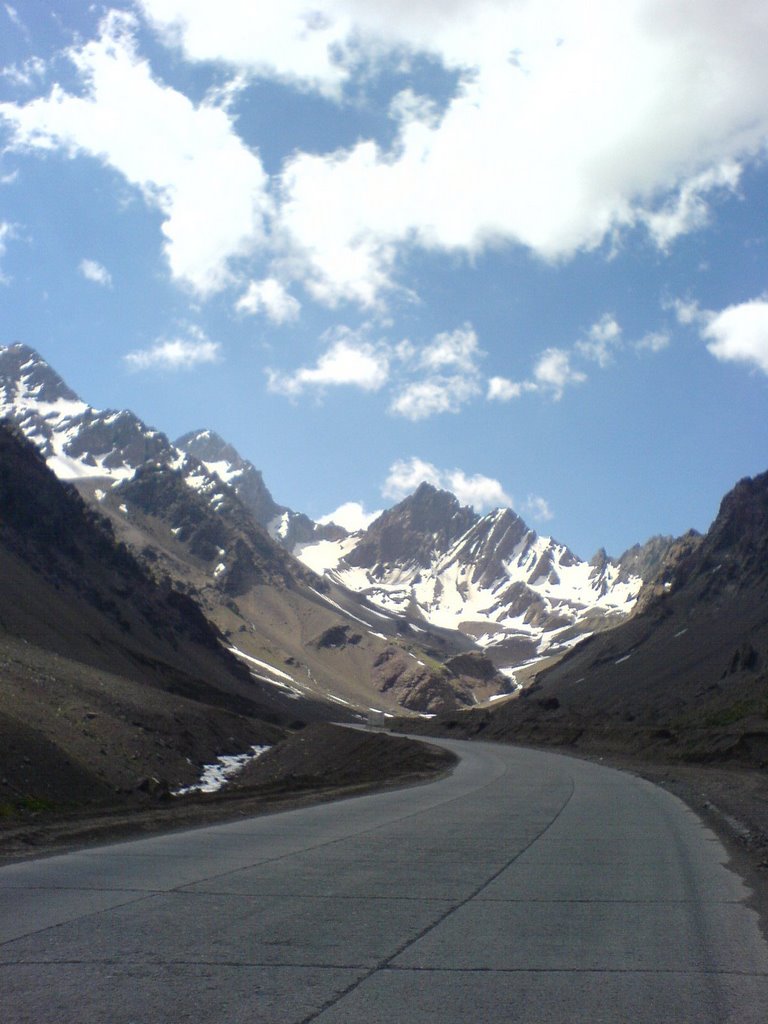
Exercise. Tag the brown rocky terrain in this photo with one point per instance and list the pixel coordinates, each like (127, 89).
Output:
(322, 762)
(106, 676)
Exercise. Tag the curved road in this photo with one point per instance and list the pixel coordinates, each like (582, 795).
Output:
(526, 887)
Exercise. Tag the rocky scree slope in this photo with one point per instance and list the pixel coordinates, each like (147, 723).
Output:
(687, 676)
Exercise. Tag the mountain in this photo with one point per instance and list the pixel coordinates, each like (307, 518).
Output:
(519, 595)
(199, 515)
(107, 677)
(687, 676)
(82, 443)
(285, 526)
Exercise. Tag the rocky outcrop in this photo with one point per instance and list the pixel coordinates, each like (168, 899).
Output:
(413, 533)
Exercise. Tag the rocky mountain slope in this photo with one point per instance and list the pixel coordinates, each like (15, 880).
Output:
(519, 595)
(285, 526)
(687, 676)
(198, 514)
(106, 677)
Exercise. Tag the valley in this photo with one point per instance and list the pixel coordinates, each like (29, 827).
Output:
(160, 610)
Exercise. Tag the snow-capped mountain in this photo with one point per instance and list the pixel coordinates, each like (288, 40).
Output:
(517, 594)
(187, 518)
(428, 561)
(76, 440)
(287, 527)
(80, 442)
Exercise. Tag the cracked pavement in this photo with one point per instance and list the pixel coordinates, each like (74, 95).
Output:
(526, 887)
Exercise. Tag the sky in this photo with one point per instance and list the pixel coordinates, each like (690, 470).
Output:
(515, 248)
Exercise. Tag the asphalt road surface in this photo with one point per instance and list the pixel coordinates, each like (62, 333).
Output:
(527, 887)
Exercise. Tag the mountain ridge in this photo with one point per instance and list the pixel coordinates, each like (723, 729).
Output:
(429, 565)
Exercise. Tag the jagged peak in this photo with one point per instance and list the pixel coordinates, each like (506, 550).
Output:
(20, 363)
(428, 492)
(208, 446)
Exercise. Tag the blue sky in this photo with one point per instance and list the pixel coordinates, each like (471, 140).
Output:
(513, 247)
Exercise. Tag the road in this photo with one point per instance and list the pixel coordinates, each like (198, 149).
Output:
(526, 887)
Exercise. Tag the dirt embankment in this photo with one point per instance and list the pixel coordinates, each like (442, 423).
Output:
(322, 762)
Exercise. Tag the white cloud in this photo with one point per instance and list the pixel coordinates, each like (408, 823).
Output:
(654, 341)
(418, 389)
(501, 389)
(96, 272)
(6, 233)
(351, 515)
(349, 361)
(688, 210)
(480, 491)
(290, 40)
(271, 297)
(739, 333)
(422, 399)
(176, 353)
(405, 475)
(538, 508)
(687, 311)
(457, 349)
(26, 74)
(440, 391)
(187, 160)
(553, 372)
(567, 123)
(614, 115)
(602, 338)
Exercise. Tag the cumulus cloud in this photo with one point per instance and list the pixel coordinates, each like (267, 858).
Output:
(405, 475)
(602, 338)
(614, 115)
(348, 362)
(553, 372)
(555, 126)
(291, 40)
(688, 209)
(176, 353)
(351, 515)
(739, 333)
(270, 297)
(187, 160)
(450, 362)
(501, 389)
(94, 271)
(423, 399)
(458, 350)
(480, 491)
(423, 381)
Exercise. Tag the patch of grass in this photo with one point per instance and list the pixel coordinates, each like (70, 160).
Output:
(25, 803)
(729, 715)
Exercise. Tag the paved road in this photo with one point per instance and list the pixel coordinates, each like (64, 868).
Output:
(527, 887)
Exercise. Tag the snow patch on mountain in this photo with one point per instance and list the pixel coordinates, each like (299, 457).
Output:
(496, 581)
